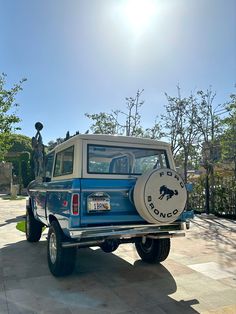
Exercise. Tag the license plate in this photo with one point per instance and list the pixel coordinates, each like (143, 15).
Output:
(98, 205)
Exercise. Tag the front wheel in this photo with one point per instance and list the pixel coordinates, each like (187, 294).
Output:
(153, 250)
(61, 261)
(33, 227)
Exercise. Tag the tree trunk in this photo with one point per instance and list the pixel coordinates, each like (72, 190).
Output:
(212, 189)
(207, 193)
(185, 170)
(186, 178)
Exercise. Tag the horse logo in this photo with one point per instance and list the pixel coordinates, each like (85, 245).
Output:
(164, 191)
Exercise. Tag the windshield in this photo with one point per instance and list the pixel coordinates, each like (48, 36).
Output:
(104, 159)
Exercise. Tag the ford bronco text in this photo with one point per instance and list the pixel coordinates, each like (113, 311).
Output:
(104, 190)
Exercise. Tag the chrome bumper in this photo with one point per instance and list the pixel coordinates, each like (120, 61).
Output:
(126, 231)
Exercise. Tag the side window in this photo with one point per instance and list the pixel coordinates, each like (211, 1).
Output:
(64, 162)
(49, 165)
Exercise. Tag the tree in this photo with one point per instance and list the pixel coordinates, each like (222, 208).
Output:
(67, 136)
(20, 143)
(132, 117)
(228, 139)
(19, 154)
(193, 127)
(52, 144)
(103, 123)
(179, 127)
(207, 123)
(155, 132)
(8, 115)
(121, 122)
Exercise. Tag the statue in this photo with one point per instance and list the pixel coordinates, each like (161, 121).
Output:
(38, 151)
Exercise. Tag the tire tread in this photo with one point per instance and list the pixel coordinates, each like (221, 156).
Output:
(35, 231)
(159, 252)
(66, 258)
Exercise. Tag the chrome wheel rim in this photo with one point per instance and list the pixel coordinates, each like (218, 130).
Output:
(53, 248)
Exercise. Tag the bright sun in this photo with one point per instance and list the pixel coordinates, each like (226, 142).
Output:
(139, 14)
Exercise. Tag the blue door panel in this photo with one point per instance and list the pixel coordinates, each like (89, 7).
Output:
(59, 200)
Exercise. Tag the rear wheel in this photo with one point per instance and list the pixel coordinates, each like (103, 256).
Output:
(109, 246)
(61, 261)
(153, 250)
(33, 227)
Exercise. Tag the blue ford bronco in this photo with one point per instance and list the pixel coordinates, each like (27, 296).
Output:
(104, 190)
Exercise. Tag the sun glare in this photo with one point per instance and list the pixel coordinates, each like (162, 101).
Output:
(139, 14)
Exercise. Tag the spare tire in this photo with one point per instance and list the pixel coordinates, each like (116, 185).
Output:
(160, 196)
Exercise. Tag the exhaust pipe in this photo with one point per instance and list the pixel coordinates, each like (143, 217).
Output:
(82, 244)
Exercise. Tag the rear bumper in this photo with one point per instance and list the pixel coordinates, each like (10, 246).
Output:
(131, 230)
(127, 231)
(89, 236)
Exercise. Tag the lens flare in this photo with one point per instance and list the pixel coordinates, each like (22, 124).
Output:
(139, 14)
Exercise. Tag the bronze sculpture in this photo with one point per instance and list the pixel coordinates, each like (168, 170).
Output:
(38, 151)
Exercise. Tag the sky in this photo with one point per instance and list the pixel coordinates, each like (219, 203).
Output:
(86, 56)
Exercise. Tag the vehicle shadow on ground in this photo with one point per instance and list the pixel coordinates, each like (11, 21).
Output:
(12, 220)
(101, 283)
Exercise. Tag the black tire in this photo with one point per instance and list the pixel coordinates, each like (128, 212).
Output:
(109, 246)
(33, 227)
(61, 261)
(153, 250)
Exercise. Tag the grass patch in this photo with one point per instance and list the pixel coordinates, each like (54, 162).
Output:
(11, 198)
(21, 226)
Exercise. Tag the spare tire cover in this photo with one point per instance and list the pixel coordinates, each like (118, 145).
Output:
(160, 195)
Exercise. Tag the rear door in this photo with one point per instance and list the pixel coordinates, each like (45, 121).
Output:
(108, 178)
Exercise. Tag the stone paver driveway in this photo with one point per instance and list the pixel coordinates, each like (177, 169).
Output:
(198, 276)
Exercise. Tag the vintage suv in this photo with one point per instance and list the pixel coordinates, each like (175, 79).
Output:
(104, 190)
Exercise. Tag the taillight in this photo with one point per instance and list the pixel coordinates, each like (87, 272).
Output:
(75, 204)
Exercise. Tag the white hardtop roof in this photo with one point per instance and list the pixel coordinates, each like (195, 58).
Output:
(109, 139)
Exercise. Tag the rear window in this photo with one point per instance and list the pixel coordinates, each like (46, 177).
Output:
(124, 160)
(64, 162)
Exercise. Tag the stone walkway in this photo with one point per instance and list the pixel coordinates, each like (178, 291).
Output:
(198, 276)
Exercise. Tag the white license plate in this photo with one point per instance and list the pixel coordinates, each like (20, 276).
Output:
(94, 205)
